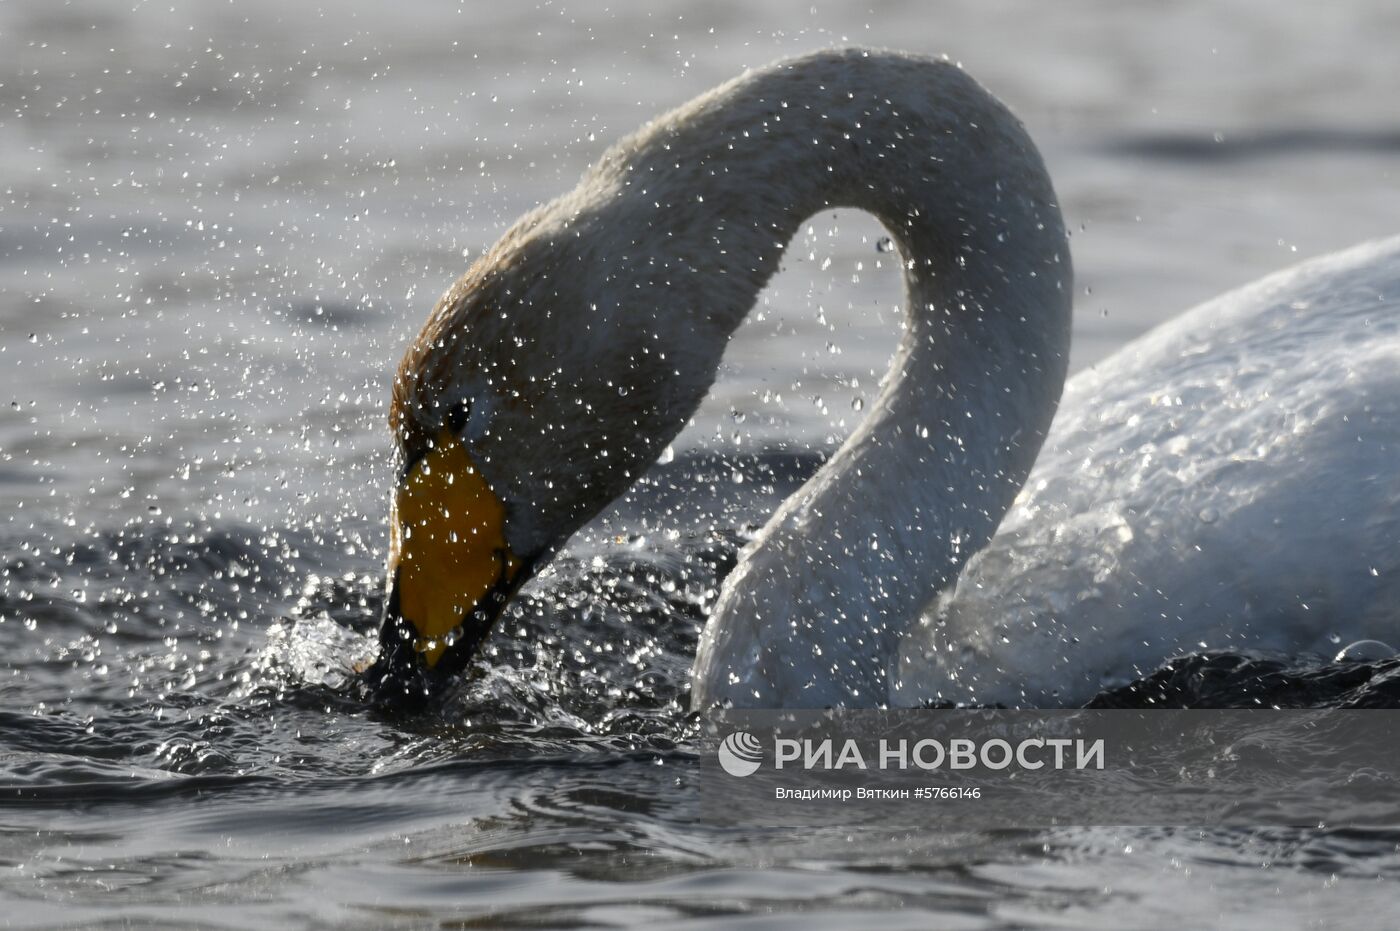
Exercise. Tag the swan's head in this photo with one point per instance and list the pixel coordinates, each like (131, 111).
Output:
(524, 406)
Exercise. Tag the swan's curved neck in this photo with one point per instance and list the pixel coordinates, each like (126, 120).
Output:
(815, 610)
(588, 336)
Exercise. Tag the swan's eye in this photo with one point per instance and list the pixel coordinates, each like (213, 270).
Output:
(457, 416)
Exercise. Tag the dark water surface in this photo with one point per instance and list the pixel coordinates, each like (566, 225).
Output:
(219, 224)
(166, 757)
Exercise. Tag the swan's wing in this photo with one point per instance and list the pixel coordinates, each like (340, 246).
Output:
(1228, 481)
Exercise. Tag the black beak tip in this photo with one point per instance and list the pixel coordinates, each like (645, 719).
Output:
(399, 681)
(396, 681)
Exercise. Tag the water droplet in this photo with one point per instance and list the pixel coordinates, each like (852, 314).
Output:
(1365, 651)
(858, 404)
(1209, 515)
(884, 244)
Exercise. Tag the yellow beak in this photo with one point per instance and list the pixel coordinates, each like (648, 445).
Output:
(450, 569)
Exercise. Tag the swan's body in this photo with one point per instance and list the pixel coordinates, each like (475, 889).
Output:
(1229, 481)
(564, 361)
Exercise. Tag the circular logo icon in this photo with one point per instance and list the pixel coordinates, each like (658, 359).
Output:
(740, 754)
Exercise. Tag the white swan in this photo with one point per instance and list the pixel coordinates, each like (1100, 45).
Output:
(1226, 481)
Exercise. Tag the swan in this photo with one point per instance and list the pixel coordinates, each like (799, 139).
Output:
(1226, 481)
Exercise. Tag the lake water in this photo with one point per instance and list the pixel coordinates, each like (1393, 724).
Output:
(219, 225)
